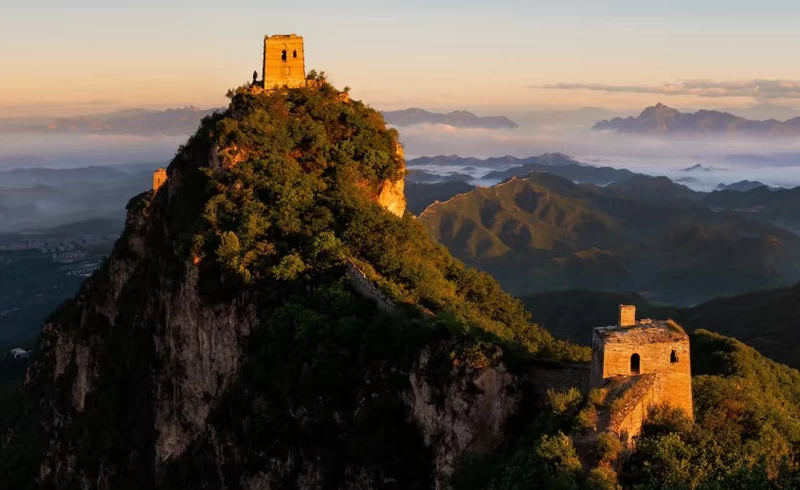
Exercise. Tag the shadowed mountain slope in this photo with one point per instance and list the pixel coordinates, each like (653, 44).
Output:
(420, 196)
(544, 233)
(777, 206)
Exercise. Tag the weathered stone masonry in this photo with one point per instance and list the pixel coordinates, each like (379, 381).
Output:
(284, 61)
(652, 357)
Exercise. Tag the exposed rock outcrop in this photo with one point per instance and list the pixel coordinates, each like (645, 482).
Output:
(392, 198)
(141, 356)
(391, 195)
(465, 416)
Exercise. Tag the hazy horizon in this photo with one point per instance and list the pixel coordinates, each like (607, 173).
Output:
(518, 114)
(440, 55)
(556, 70)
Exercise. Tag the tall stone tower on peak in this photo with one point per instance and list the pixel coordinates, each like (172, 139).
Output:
(284, 61)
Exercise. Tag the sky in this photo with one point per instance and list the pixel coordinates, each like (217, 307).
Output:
(84, 57)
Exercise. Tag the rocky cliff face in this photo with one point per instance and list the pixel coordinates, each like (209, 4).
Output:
(135, 363)
(129, 376)
(465, 416)
(391, 196)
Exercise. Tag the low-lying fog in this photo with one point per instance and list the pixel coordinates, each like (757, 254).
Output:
(773, 161)
(85, 177)
(26, 150)
(725, 159)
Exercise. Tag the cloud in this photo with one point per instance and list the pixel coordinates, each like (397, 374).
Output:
(759, 89)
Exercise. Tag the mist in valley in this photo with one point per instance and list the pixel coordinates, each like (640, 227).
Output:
(31, 200)
(50, 180)
(775, 161)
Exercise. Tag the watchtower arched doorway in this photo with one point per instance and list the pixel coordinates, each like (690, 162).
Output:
(635, 364)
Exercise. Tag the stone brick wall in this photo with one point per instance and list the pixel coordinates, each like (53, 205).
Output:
(366, 288)
(598, 358)
(654, 358)
(627, 315)
(558, 376)
(284, 62)
(646, 392)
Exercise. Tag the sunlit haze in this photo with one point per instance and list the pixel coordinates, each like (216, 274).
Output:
(622, 55)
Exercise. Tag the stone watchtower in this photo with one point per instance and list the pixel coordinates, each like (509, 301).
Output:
(657, 351)
(284, 61)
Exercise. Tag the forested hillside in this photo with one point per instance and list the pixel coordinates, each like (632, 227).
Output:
(646, 235)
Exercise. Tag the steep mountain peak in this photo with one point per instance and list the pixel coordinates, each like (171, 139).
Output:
(660, 108)
(265, 322)
(556, 158)
(659, 114)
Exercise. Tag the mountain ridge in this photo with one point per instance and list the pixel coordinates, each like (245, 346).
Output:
(661, 119)
(145, 122)
(458, 119)
(543, 232)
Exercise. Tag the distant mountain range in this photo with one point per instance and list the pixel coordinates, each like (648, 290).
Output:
(143, 122)
(437, 178)
(458, 119)
(660, 119)
(503, 168)
(744, 186)
(494, 163)
(420, 196)
(419, 176)
(698, 168)
(780, 207)
(34, 198)
(184, 121)
(645, 234)
(575, 171)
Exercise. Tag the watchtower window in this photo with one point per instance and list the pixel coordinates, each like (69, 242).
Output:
(635, 364)
(283, 55)
(294, 54)
(673, 357)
